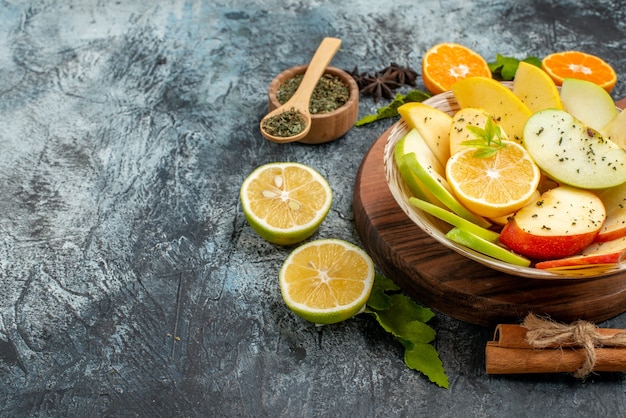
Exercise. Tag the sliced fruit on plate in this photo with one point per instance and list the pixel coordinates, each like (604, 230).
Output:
(616, 130)
(599, 254)
(561, 223)
(614, 200)
(588, 102)
(415, 185)
(414, 143)
(502, 220)
(285, 203)
(433, 124)
(424, 167)
(326, 281)
(496, 185)
(571, 153)
(580, 65)
(498, 100)
(454, 220)
(485, 247)
(461, 121)
(446, 63)
(535, 88)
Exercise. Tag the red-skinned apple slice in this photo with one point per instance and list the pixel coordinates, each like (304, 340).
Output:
(560, 224)
(614, 200)
(605, 253)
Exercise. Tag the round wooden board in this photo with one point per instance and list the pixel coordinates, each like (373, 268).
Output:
(447, 282)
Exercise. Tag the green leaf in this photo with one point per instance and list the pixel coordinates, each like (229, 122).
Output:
(385, 284)
(504, 68)
(391, 110)
(379, 299)
(406, 321)
(488, 140)
(404, 328)
(533, 60)
(485, 152)
(424, 359)
(408, 310)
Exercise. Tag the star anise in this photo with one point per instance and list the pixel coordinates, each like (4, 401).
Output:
(403, 75)
(380, 85)
(360, 78)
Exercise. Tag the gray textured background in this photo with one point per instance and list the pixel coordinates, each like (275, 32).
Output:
(131, 284)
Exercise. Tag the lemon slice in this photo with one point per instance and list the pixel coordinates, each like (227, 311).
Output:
(286, 202)
(497, 185)
(326, 281)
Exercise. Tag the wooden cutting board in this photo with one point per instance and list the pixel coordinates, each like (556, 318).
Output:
(453, 285)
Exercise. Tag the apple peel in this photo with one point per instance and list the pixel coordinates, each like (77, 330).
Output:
(488, 248)
(455, 220)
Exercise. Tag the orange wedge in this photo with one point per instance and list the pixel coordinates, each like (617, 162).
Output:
(496, 185)
(446, 63)
(576, 64)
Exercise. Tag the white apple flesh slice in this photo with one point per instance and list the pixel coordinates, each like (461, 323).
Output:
(605, 253)
(616, 130)
(588, 102)
(433, 124)
(560, 224)
(427, 170)
(614, 200)
(570, 153)
(413, 143)
(535, 88)
(478, 244)
(454, 220)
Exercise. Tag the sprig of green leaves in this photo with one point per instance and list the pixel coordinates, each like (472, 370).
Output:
(504, 68)
(406, 321)
(391, 110)
(488, 139)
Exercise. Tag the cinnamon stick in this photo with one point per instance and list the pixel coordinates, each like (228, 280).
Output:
(511, 353)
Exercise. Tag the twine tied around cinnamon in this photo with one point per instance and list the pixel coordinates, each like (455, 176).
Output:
(542, 333)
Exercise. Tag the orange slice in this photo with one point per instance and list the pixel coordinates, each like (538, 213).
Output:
(496, 185)
(576, 64)
(446, 63)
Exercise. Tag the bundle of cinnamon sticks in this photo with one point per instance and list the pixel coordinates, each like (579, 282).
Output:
(541, 345)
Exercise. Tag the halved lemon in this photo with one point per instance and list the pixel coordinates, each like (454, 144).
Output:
(327, 281)
(285, 202)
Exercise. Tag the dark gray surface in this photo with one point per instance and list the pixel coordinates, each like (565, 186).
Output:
(132, 284)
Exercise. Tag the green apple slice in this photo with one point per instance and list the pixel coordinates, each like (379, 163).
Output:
(426, 168)
(571, 153)
(616, 130)
(491, 249)
(588, 102)
(455, 220)
(413, 143)
(404, 163)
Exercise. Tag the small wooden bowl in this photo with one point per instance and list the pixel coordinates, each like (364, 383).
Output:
(325, 127)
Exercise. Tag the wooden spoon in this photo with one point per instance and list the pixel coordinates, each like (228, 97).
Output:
(300, 100)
